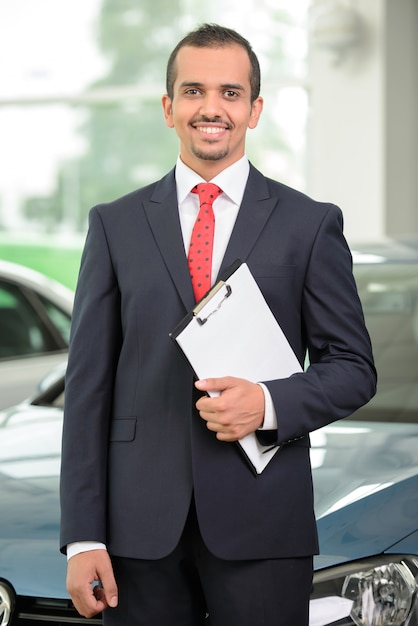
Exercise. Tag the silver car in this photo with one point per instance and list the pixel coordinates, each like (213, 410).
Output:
(35, 316)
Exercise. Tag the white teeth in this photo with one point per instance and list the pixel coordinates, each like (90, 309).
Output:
(211, 130)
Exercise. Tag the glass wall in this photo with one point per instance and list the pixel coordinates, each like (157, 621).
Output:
(80, 106)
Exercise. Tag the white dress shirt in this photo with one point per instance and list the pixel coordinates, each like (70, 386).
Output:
(232, 181)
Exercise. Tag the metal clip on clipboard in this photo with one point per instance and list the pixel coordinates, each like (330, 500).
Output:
(208, 298)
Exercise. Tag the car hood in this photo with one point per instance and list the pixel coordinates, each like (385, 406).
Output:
(365, 480)
(30, 440)
(366, 488)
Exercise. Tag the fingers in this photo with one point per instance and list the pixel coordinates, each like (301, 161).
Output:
(84, 572)
(236, 412)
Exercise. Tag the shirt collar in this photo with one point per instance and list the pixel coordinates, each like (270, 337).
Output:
(231, 180)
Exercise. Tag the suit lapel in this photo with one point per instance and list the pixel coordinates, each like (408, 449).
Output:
(257, 205)
(163, 217)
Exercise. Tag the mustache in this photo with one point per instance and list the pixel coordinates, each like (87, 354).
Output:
(210, 120)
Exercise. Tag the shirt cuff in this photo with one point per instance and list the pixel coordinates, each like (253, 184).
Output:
(83, 546)
(270, 418)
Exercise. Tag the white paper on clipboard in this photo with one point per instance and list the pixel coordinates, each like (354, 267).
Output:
(232, 332)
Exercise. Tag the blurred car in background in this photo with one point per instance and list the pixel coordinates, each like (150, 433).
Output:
(365, 478)
(366, 468)
(35, 317)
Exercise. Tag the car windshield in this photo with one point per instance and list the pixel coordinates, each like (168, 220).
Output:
(389, 294)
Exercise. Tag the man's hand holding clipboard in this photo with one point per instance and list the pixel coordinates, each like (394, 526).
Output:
(238, 409)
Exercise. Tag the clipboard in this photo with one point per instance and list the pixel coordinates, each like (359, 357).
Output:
(232, 332)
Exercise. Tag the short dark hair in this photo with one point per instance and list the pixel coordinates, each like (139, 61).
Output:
(214, 36)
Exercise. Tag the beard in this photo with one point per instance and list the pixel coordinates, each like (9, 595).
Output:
(210, 155)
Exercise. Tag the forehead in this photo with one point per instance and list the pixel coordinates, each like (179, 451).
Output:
(222, 65)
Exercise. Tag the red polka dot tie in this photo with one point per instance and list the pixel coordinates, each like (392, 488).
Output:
(201, 242)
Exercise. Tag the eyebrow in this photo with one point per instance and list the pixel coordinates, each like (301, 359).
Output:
(235, 86)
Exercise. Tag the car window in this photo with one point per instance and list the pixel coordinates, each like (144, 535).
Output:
(21, 331)
(58, 402)
(389, 294)
(61, 320)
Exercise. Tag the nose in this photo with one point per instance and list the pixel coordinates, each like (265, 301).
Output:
(211, 105)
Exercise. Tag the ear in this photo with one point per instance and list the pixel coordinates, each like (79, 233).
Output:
(168, 110)
(256, 109)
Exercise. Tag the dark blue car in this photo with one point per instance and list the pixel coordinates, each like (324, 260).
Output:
(365, 476)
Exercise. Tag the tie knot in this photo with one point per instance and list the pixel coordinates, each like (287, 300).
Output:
(207, 192)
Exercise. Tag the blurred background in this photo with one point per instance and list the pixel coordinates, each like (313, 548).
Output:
(81, 120)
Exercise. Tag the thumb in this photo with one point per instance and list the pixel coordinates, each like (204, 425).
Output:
(214, 384)
(110, 589)
(107, 590)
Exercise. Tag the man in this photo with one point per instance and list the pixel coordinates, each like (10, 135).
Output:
(157, 502)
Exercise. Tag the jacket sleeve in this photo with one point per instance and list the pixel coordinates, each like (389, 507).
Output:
(341, 375)
(94, 346)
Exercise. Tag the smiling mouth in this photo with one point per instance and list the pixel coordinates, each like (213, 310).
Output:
(210, 130)
(210, 126)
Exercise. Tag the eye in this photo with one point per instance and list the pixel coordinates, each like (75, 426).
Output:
(192, 91)
(230, 93)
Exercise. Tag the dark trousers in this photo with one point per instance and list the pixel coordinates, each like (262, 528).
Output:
(182, 588)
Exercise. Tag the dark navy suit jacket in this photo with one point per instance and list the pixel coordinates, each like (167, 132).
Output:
(134, 448)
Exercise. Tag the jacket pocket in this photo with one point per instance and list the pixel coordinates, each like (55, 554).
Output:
(123, 429)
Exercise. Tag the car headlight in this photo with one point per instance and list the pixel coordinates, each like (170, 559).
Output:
(7, 603)
(375, 592)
